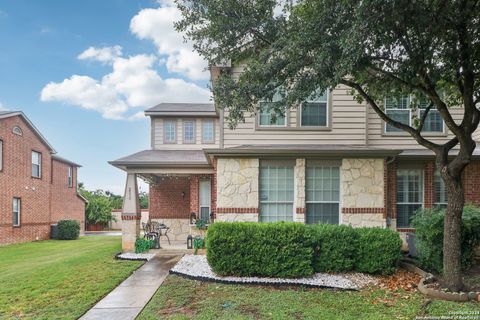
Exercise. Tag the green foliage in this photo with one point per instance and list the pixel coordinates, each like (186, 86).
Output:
(68, 229)
(143, 245)
(198, 243)
(378, 250)
(201, 224)
(99, 206)
(429, 228)
(281, 249)
(335, 247)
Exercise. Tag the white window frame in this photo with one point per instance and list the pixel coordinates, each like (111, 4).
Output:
(202, 205)
(18, 213)
(70, 177)
(327, 113)
(185, 122)
(410, 113)
(165, 130)
(39, 164)
(1, 155)
(323, 165)
(422, 193)
(436, 203)
(204, 122)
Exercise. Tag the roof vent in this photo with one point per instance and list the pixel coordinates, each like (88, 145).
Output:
(17, 130)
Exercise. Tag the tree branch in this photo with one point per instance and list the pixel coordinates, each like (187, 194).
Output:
(424, 117)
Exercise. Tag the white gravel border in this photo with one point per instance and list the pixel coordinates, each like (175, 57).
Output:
(196, 267)
(135, 256)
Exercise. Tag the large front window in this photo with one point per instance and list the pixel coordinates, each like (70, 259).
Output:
(400, 109)
(322, 193)
(409, 195)
(276, 191)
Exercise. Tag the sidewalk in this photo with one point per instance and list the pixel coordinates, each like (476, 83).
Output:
(127, 300)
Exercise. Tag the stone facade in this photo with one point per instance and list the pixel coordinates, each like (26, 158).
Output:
(237, 183)
(364, 219)
(179, 229)
(237, 217)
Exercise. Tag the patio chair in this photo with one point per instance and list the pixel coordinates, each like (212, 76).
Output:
(161, 229)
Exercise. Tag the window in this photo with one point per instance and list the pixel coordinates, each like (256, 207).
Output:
(440, 191)
(268, 116)
(276, 191)
(70, 177)
(409, 195)
(322, 193)
(1, 155)
(314, 113)
(17, 130)
(170, 131)
(205, 199)
(399, 109)
(36, 164)
(188, 131)
(16, 212)
(208, 131)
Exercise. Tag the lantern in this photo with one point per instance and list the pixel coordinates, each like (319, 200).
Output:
(189, 242)
(193, 217)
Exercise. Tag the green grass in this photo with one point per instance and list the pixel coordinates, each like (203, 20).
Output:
(59, 279)
(179, 298)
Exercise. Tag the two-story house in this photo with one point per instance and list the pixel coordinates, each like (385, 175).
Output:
(330, 160)
(37, 187)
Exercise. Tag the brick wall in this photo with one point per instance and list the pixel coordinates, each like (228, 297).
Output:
(35, 193)
(166, 200)
(471, 182)
(65, 203)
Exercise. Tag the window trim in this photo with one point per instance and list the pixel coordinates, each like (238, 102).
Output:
(402, 133)
(212, 121)
(70, 177)
(259, 126)
(19, 212)
(200, 206)
(39, 165)
(165, 141)
(194, 138)
(422, 170)
(328, 115)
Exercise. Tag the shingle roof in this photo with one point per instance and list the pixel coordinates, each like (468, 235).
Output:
(173, 109)
(58, 158)
(163, 158)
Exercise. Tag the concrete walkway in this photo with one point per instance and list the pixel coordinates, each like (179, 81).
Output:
(127, 300)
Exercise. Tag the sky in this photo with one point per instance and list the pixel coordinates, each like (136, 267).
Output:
(83, 71)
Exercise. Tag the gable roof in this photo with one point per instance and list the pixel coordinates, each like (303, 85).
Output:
(163, 158)
(183, 109)
(60, 159)
(9, 114)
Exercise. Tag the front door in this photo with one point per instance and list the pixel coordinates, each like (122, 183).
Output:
(205, 199)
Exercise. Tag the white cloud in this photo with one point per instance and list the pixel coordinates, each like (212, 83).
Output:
(104, 55)
(2, 107)
(156, 24)
(133, 83)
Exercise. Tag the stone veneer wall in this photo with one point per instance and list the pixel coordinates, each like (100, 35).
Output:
(362, 189)
(237, 189)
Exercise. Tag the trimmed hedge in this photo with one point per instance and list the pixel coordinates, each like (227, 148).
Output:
(288, 249)
(68, 229)
(335, 247)
(378, 251)
(429, 224)
(282, 249)
(143, 245)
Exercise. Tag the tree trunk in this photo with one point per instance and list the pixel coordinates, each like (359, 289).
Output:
(452, 273)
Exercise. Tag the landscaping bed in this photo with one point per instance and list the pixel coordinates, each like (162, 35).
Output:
(196, 267)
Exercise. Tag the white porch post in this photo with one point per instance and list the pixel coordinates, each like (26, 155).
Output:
(131, 213)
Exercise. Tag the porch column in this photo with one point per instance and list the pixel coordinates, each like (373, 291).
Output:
(131, 214)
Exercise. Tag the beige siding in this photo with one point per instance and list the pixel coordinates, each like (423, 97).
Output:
(377, 137)
(157, 135)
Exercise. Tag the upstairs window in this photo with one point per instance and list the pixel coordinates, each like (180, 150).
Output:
(70, 177)
(268, 116)
(1, 155)
(188, 131)
(314, 112)
(17, 130)
(16, 207)
(170, 131)
(208, 131)
(36, 164)
(399, 109)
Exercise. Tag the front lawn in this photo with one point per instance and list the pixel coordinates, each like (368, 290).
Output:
(179, 298)
(59, 279)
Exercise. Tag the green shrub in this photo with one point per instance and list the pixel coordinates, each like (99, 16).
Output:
(429, 224)
(198, 243)
(378, 250)
(335, 247)
(68, 229)
(283, 249)
(143, 245)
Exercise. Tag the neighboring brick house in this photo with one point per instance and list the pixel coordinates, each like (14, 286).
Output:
(330, 160)
(37, 187)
